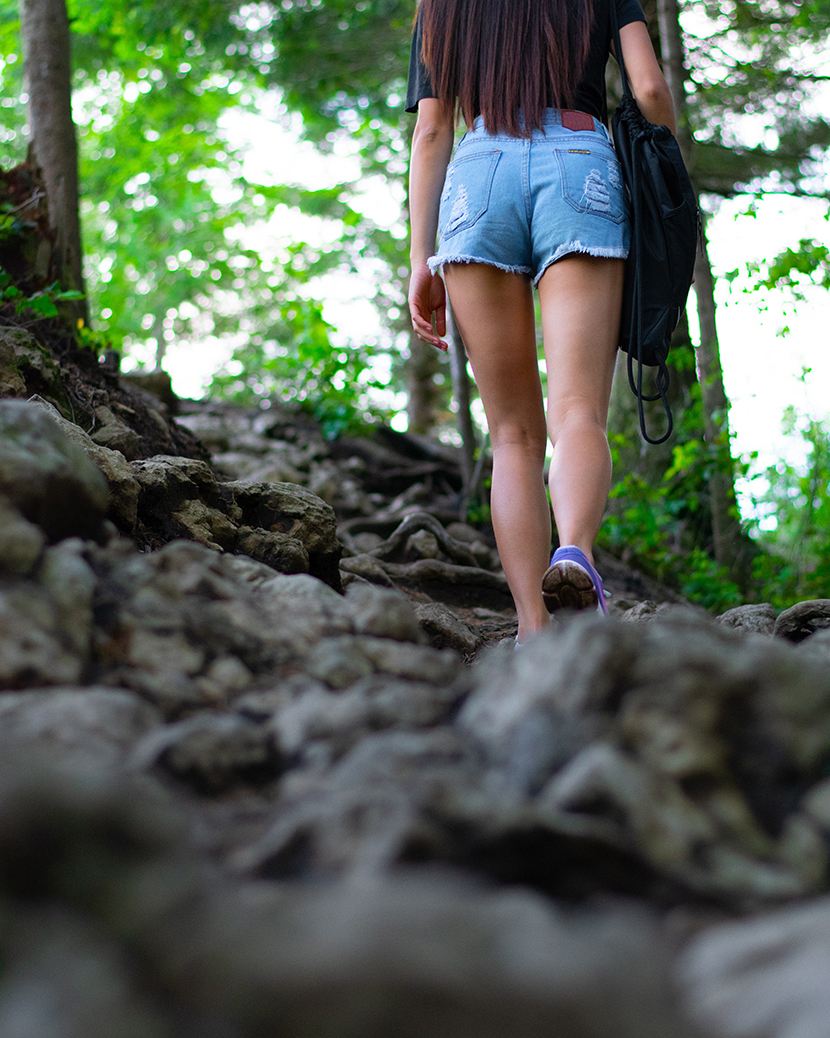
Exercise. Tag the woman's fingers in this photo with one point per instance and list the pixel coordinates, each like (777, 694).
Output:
(428, 307)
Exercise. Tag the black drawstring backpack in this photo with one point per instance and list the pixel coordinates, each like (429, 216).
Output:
(665, 229)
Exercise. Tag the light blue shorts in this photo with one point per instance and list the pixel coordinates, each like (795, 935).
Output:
(521, 204)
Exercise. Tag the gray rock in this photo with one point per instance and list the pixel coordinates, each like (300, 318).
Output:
(763, 977)
(66, 977)
(445, 630)
(485, 556)
(706, 707)
(343, 660)
(658, 816)
(289, 509)
(70, 582)
(277, 550)
(365, 542)
(124, 488)
(363, 814)
(225, 678)
(338, 662)
(428, 958)
(180, 496)
(383, 614)
(22, 361)
(692, 742)
(643, 612)
(816, 805)
(35, 649)
(46, 477)
(802, 620)
(166, 475)
(263, 704)
(759, 619)
(573, 670)
(319, 715)
(816, 648)
(372, 704)
(21, 542)
(180, 626)
(246, 570)
(423, 545)
(212, 753)
(89, 726)
(112, 432)
(305, 605)
(415, 662)
(117, 849)
(205, 525)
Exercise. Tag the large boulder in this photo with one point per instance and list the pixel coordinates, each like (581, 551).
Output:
(46, 477)
(292, 511)
(764, 977)
(123, 486)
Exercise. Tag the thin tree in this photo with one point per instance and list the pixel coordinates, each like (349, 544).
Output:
(54, 147)
(726, 529)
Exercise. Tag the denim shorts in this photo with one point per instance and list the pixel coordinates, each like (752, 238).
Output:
(521, 204)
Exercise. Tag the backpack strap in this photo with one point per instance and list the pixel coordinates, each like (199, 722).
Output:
(662, 378)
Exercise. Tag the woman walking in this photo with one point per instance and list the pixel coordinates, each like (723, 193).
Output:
(532, 197)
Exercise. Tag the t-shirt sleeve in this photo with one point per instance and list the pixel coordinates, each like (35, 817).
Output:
(629, 11)
(419, 84)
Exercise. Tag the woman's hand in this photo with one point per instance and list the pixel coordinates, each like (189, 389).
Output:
(428, 297)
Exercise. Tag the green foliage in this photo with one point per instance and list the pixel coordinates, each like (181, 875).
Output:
(761, 58)
(38, 305)
(792, 503)
(165, 207)
(297, 361)
(11, 226)
(660, 524)
(794, 269)
(92, 339)
(702, 581)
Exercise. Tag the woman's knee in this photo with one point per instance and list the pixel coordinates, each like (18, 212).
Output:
(576, 415)
(527, 439)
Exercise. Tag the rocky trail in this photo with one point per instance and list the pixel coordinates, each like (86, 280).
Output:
(270, 765)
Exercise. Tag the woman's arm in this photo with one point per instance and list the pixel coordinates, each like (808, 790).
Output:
(431, 149)
(648, 84)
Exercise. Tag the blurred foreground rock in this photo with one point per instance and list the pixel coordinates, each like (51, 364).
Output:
(248, 785)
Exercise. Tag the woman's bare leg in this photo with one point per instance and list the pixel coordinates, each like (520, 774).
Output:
(580, 298)
(494, 314)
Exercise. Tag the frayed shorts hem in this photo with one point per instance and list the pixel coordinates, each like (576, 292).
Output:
(577, 248)
(437, 262)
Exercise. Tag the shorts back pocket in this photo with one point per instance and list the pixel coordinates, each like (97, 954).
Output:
(466, 193)
(592, 182)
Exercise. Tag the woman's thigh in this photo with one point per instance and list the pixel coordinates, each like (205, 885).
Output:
(581, 299)
(494, 313)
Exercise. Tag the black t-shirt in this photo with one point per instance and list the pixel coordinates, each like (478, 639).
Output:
(589, 95)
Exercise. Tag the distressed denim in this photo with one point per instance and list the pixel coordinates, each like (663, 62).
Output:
(521, 204)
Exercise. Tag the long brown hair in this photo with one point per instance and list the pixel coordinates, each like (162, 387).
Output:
(503, 57)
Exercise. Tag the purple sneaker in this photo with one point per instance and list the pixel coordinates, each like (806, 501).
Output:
(571, 582)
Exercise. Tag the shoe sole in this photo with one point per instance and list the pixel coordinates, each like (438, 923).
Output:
(566, 585)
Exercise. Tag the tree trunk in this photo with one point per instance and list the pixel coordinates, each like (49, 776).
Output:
(421, 367)
(46, 48)
(726, 529)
